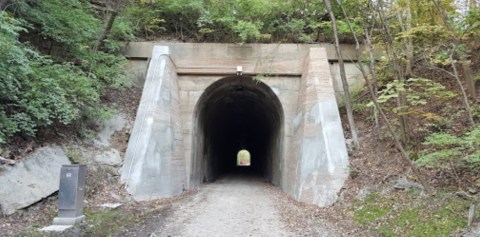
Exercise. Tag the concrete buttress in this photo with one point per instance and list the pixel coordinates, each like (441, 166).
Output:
(196, 113)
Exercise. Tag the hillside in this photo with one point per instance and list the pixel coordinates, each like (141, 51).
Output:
(62, 76)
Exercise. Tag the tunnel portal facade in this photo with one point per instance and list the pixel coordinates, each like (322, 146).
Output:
(236, 113)
(197, 112)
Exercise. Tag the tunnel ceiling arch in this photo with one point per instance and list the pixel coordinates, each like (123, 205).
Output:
(234, 113)
(192, 119)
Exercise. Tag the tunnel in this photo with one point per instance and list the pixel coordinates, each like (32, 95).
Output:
(234, 113)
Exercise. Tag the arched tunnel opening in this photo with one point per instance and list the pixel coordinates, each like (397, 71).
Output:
(235, 113)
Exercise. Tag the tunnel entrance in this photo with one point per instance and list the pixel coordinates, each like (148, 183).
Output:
(236, 113)
(190, 123)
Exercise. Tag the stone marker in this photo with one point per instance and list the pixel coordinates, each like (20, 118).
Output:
(70, 195)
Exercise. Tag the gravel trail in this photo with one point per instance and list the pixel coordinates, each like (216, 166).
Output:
(231, 206)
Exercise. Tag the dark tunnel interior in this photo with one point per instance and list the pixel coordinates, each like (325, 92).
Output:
(237, 113)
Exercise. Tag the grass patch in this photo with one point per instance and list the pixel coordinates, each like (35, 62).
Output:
(373, 207)
(105, 222)
(408, 214)
(30, 232)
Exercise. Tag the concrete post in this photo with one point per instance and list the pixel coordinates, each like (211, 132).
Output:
(70, 195)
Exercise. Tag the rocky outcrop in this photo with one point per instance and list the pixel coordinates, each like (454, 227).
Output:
(32, 179)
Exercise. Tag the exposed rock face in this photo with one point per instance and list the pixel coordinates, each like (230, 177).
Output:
(111, 157)
(108, 127)
(32, 179)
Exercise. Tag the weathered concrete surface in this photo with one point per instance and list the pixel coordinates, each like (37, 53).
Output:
(311, 162)
(32, 179)
(56, 228)
(354, 76)
(154, 163)
(285, 88)
(248, 51)
(318, 144)
(222, 59)
(211, 58)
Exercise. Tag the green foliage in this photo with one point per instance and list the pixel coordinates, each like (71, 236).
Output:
(470, 25)
(293, 30)
(247, 31)
(39, 90)
(105, 68)
(145, 20)
(109, 222)
(424, 34)
(74, 153)
(122, 30)
(414, 222)
(342, 28)
(103, 223)
(417, 91)
(408, 214)
(57, 92)
(66, 21)
(32, 231)
(373, 208)
(443, 149)
(234, 20)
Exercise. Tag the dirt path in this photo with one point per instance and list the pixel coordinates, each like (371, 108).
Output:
(231, 206)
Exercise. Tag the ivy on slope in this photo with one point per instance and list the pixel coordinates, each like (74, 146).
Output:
(50, 70)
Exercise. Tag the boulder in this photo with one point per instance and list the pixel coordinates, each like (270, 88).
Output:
(108, 127)
(32, 179)
(403, 183)
(111, 157)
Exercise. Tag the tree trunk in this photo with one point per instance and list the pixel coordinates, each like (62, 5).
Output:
(358, 55)
(465, 65)
(398, 143)
(107, 29)
(372, 89)
(3, 4)
(462, 89)
(467, 73)
(409, 43)
(398, 74)
(346, 91)
(373, 71)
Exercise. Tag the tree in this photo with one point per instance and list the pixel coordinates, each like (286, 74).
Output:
(3, 4)
(346, 91)
(49, 74)
(36, 92)
(373, 96)
(114, 8)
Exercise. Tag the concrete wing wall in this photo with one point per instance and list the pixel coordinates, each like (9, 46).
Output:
(319, 144)
(154, 165)
(313, 160)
